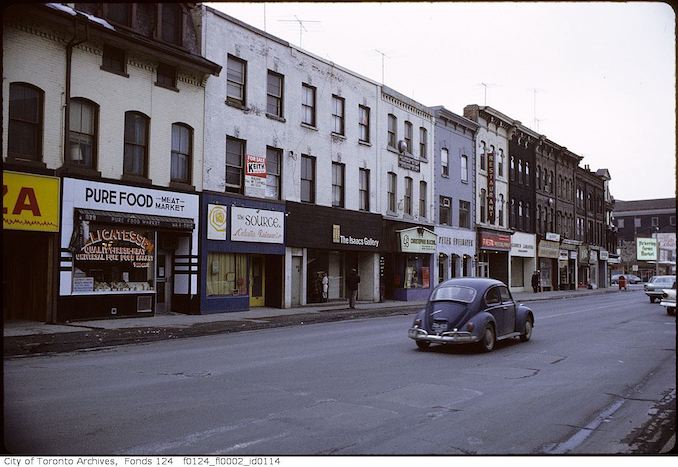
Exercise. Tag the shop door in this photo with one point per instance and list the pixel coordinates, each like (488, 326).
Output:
(164, 282)
(296, 280)
(257, 281)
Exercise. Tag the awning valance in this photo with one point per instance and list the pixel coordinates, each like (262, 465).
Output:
(138, 220)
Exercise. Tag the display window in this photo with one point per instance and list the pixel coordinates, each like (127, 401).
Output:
(227, 274)
(114, 259)
(416, 271)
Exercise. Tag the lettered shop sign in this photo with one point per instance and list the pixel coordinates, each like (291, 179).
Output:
(257, 225)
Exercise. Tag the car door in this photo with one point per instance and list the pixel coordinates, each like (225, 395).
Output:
(494, 307)
(509, 309)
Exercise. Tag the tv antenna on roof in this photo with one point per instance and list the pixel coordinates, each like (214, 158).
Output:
(382, 63)
(301, 25)
(485, 85)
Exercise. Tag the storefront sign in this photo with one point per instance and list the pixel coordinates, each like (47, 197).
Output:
(337, 237)
(604, 255)
(583, 254)
(495, 241)
(573, 255)
(255, 176)
(257, 225)
(593, 258)
(417, 240)
(216, 222)
(523, 245)
(30, 202)
(563, 256)
(117, 245)
(491, 188)
(549, 249)
(646, 249)
(552, 237)
(409, 163)
(453, 241)
(83, 284)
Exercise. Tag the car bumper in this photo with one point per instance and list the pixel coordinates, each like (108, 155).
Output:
(668, 303)
(654, 293)
(450, 337)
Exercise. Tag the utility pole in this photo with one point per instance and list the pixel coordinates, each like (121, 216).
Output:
(301, 25)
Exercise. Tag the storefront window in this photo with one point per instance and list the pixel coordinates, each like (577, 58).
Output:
(417, 272)
(114, 259)
(226, 274)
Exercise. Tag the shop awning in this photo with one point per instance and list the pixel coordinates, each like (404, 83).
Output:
(136, 220)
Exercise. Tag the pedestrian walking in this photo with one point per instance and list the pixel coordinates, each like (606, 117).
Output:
(352, 283)
(326, 286)
(535, 281)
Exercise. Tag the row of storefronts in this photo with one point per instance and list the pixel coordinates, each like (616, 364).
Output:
(123, 251)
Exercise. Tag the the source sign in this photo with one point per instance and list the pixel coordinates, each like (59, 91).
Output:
(646, 249)
(257, 225)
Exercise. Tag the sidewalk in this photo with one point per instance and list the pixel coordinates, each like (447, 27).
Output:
(22, 337)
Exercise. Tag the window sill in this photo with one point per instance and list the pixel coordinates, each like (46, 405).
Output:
(309, 127)
(115, 72)
(275, 117)
(237, 105)
(170, 88)
(338, 135)
(181, 186)
(23, 163)
(136, 179)
(392, 149)
(66, 170)
(364, 143)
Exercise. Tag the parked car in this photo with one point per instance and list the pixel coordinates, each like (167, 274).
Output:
(471, 311)
(656, 284)
(669, 299)
(630, 278)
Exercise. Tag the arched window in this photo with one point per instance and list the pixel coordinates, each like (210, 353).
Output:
(500, 168)
(512, 169)
(182, 153)
(527, 173)
(24, 138)
(135, 159)
(528, 220)
(483, 205)
(483, 152)
(82, 128)
(501, 210)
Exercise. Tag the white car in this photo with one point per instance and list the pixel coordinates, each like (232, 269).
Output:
(669, 300)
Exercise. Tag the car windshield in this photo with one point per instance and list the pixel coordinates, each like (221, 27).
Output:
(453, 293)
(663, 280)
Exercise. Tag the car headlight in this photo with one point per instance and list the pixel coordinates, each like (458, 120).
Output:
(417, 322)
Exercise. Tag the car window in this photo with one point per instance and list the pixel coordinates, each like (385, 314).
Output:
(505, 295)
(453, 293)
(492, 296)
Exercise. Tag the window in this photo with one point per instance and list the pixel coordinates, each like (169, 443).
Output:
(166, 76)
(551, 189)
(235, 157)
(392, 131)
(512, 169)
(136, 144)
(337, 185)
(170, 23)
(483, 203)
(338, 104)
(227, 274)
(464, 168)
(423, 137)
(528, 220)
(364, 123)
(182, 150)
(527, 173)
(391, 194)
(408, 136)
(672, 220)
(483, 151)
(444, 162)
(114, 60)
(500, 163)
(620, 223)
(520, 171)
(83, 116)
(274, 94)
(236, 78)
(307, 104)
(636, 222)
(538, 177)
(307, 179)
(273, 165)
(364, 190)
(445, 211)
(120, 13)
(422, 199)
(655, 222)
(464, 214)
(501, 210)
(408, 196)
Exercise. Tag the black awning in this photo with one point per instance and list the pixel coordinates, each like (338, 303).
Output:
(137, 220)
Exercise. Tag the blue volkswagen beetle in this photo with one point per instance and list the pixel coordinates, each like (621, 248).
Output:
(471, 311)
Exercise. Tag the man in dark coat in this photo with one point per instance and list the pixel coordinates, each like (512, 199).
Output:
(535, 281)
(352, 284)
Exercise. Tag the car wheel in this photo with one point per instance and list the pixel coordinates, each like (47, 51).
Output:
(670, 310)
(488, 340)
(651, 299)
(423, 345)
(527, 331)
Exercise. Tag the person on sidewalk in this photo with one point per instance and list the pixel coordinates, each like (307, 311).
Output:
(535, 281)
(352, 283)
(326, 287)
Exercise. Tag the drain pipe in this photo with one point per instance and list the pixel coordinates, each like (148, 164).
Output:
(67, 111)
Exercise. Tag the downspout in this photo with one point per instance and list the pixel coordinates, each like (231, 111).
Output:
(67, 93)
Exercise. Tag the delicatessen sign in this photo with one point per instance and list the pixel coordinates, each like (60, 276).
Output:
(117, 245)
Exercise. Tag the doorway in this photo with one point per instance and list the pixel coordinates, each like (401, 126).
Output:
(296, 280)
(257, 281)
(164, 282)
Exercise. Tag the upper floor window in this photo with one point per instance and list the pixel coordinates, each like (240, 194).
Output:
(423, 139)
(422, 199)
(500, 163)
(483, 204)
(307, 104)
(166, 76)
(408, 136)
(235, 163)
(655, 222)
(120, 13)
(338, 104)
(444, 162)
(520, 171)
(307, 179)
(464, 214)
(392, 191)
(538, 175)
(527, 173)
(171, 19)
(24, 139)
(392, 131)
(501, 210)
(672, 220)
(273, 172)
(274, 94)
(364, 123)
(82, 138)
(445, 211)
(483, 155)
(135, 159)
(338, 185)
(464, 168)
(182, 153)
(512, 168)
(364, 190)
(236, 81)
(408, 196)
(620, 223)
(114, 60)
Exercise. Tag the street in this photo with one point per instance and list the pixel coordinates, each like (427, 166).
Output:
(587, 382)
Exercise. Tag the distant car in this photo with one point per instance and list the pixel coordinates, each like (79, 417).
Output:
(669, 299)
(654, 287)
(630, 278)
(471, 311)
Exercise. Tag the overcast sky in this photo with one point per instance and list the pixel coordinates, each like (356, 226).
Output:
(598, 78)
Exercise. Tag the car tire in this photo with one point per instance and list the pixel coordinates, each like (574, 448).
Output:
(527, 331)
(489, 339)
(652, 299)
(423, 345)
(670, 310)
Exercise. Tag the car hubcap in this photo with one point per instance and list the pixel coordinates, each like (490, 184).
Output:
(489, 339)
(528, 329)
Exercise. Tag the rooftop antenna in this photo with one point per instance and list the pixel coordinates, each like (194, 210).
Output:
(485, 85)
(534, 107)
(301, 25)
(382, 63)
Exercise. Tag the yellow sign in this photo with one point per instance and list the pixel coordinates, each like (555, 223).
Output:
(30, 202)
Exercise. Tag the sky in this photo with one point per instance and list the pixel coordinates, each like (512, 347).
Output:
(597, 78)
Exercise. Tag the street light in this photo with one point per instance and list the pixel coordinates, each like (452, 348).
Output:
(656, 265)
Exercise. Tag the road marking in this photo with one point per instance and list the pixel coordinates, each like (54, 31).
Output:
(588, 310)
(249, 443)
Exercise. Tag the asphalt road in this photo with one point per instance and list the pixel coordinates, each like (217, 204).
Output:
(597, 377)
